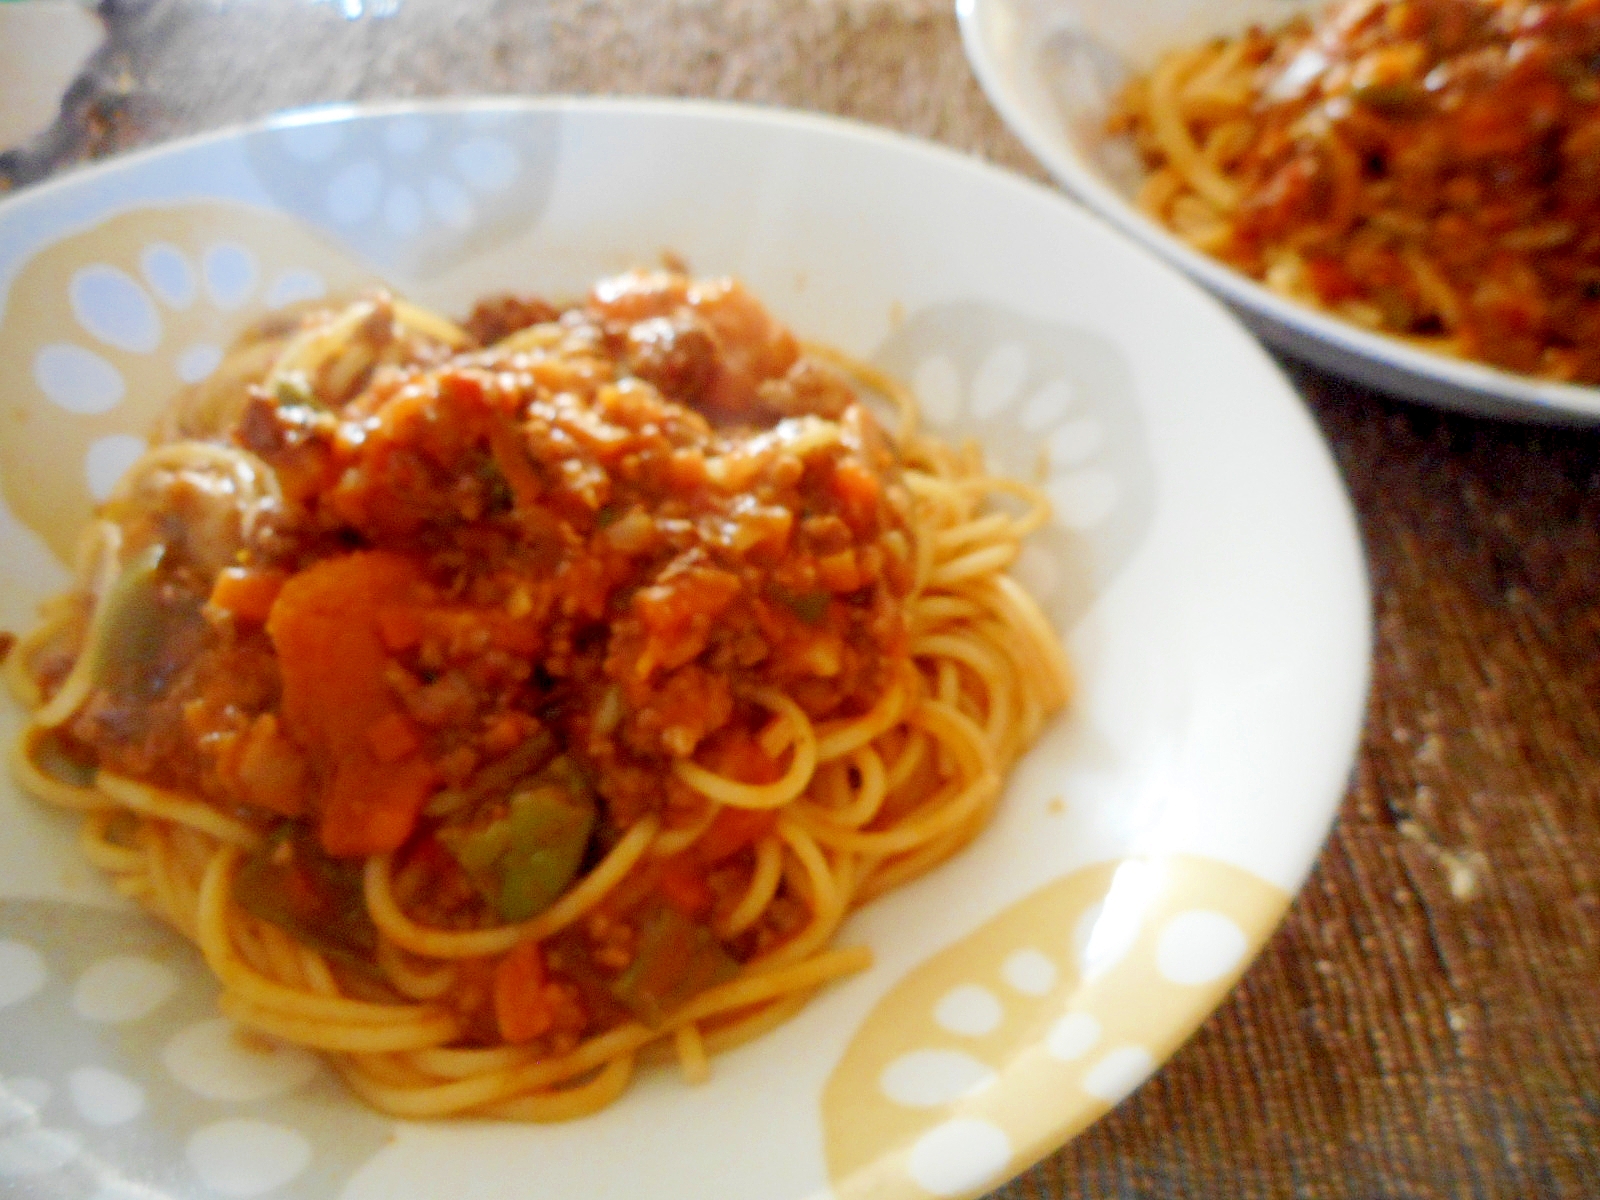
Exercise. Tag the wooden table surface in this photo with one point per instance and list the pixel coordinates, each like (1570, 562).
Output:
(1427, 1021)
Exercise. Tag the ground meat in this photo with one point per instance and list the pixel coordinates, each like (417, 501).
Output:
(497, 317)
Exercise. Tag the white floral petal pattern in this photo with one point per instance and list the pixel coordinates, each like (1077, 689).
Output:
(1050, 404)
(113, 1053)
(123, 315)
(412, 193)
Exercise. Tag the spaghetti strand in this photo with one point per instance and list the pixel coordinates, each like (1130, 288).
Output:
(494, 782)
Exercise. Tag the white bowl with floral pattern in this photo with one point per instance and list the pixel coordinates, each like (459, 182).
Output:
(1203, 567)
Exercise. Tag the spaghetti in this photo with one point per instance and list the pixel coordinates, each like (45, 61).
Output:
(1428, 169)
(494, 704)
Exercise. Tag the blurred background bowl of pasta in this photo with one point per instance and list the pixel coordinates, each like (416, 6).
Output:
(1058, 72)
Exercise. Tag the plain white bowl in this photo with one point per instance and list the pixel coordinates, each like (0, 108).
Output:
(1053, 69)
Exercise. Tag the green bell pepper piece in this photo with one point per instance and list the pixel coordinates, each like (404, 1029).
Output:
(130, 634)
(137, 628)
(292, 883)
(524, 859)
(676, 960)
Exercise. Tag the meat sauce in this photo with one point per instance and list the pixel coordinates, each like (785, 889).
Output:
(577, 551)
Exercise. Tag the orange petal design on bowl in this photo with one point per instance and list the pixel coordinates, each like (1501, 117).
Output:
(992, 1053)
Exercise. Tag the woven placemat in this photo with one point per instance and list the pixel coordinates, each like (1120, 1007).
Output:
(1427, 1022)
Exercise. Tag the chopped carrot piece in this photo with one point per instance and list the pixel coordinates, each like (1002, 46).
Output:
(856, 487)
(393, 737)
(332, 657)
(732, 830)
(371, 807)
(247, 592)
(270, 769)
(401, 628)
(738, 755)
(522, 1007)
(684, 886)
(697, 592)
